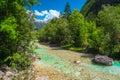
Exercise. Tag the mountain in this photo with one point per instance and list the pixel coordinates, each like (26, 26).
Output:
(92, 7)
(39, 24)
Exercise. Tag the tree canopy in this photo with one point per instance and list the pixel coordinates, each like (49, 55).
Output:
(15, 32)
(67, 11)
(102, 34)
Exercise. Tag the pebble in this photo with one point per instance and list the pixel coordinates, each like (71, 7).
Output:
(77, 62)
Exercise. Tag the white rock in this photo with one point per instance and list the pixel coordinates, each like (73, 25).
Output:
(77, 62)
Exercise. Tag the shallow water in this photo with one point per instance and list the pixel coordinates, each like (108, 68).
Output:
(67, 67)
(112, 69)
(54, 61)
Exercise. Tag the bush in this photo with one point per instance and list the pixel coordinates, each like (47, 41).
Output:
(18, 61)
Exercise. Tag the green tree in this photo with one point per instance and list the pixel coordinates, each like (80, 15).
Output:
(63, 32)
(109, 18)
(67, 11)
(56, 31)
(79, 28)
(15, 31)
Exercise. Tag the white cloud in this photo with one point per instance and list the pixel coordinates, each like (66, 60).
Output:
(37, 13)
(52, 14)
(45, 12)
(48, 14)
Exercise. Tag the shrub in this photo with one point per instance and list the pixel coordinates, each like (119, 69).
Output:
(18, 61)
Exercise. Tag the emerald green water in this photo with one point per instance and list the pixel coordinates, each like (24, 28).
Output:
(112, 69)
(54, 61)
(67, 67)
(61, 65)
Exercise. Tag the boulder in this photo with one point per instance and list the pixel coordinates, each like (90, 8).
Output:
(103, 60)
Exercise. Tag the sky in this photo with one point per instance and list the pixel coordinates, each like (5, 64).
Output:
(51, 8)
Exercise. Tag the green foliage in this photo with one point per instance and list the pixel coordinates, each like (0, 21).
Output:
(87, 7)
(8, 26)
(79, 28)
(56, 31)
(76, 33)
(95, 34)
(105, 47)
(63, 32)
(16, 33)
(106, 37)
(109, 18)
(67, 46)
(67, 11)
(92, 7)
(18, 61)
(48, 32)
(8, 36)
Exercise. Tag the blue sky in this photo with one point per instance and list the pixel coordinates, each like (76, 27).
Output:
(52, 8)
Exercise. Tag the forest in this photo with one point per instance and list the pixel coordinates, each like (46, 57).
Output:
(73, 29)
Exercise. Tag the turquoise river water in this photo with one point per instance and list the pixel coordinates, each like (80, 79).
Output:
(67, 67)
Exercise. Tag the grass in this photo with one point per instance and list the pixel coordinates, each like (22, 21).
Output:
(71, 47)
(75, 49)
(66, 46)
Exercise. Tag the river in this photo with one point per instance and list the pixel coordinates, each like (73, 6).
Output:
(63, 61)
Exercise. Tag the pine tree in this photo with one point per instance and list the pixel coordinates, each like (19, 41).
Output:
(67, 10)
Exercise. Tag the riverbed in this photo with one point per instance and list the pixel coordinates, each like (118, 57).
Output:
(63, 61)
